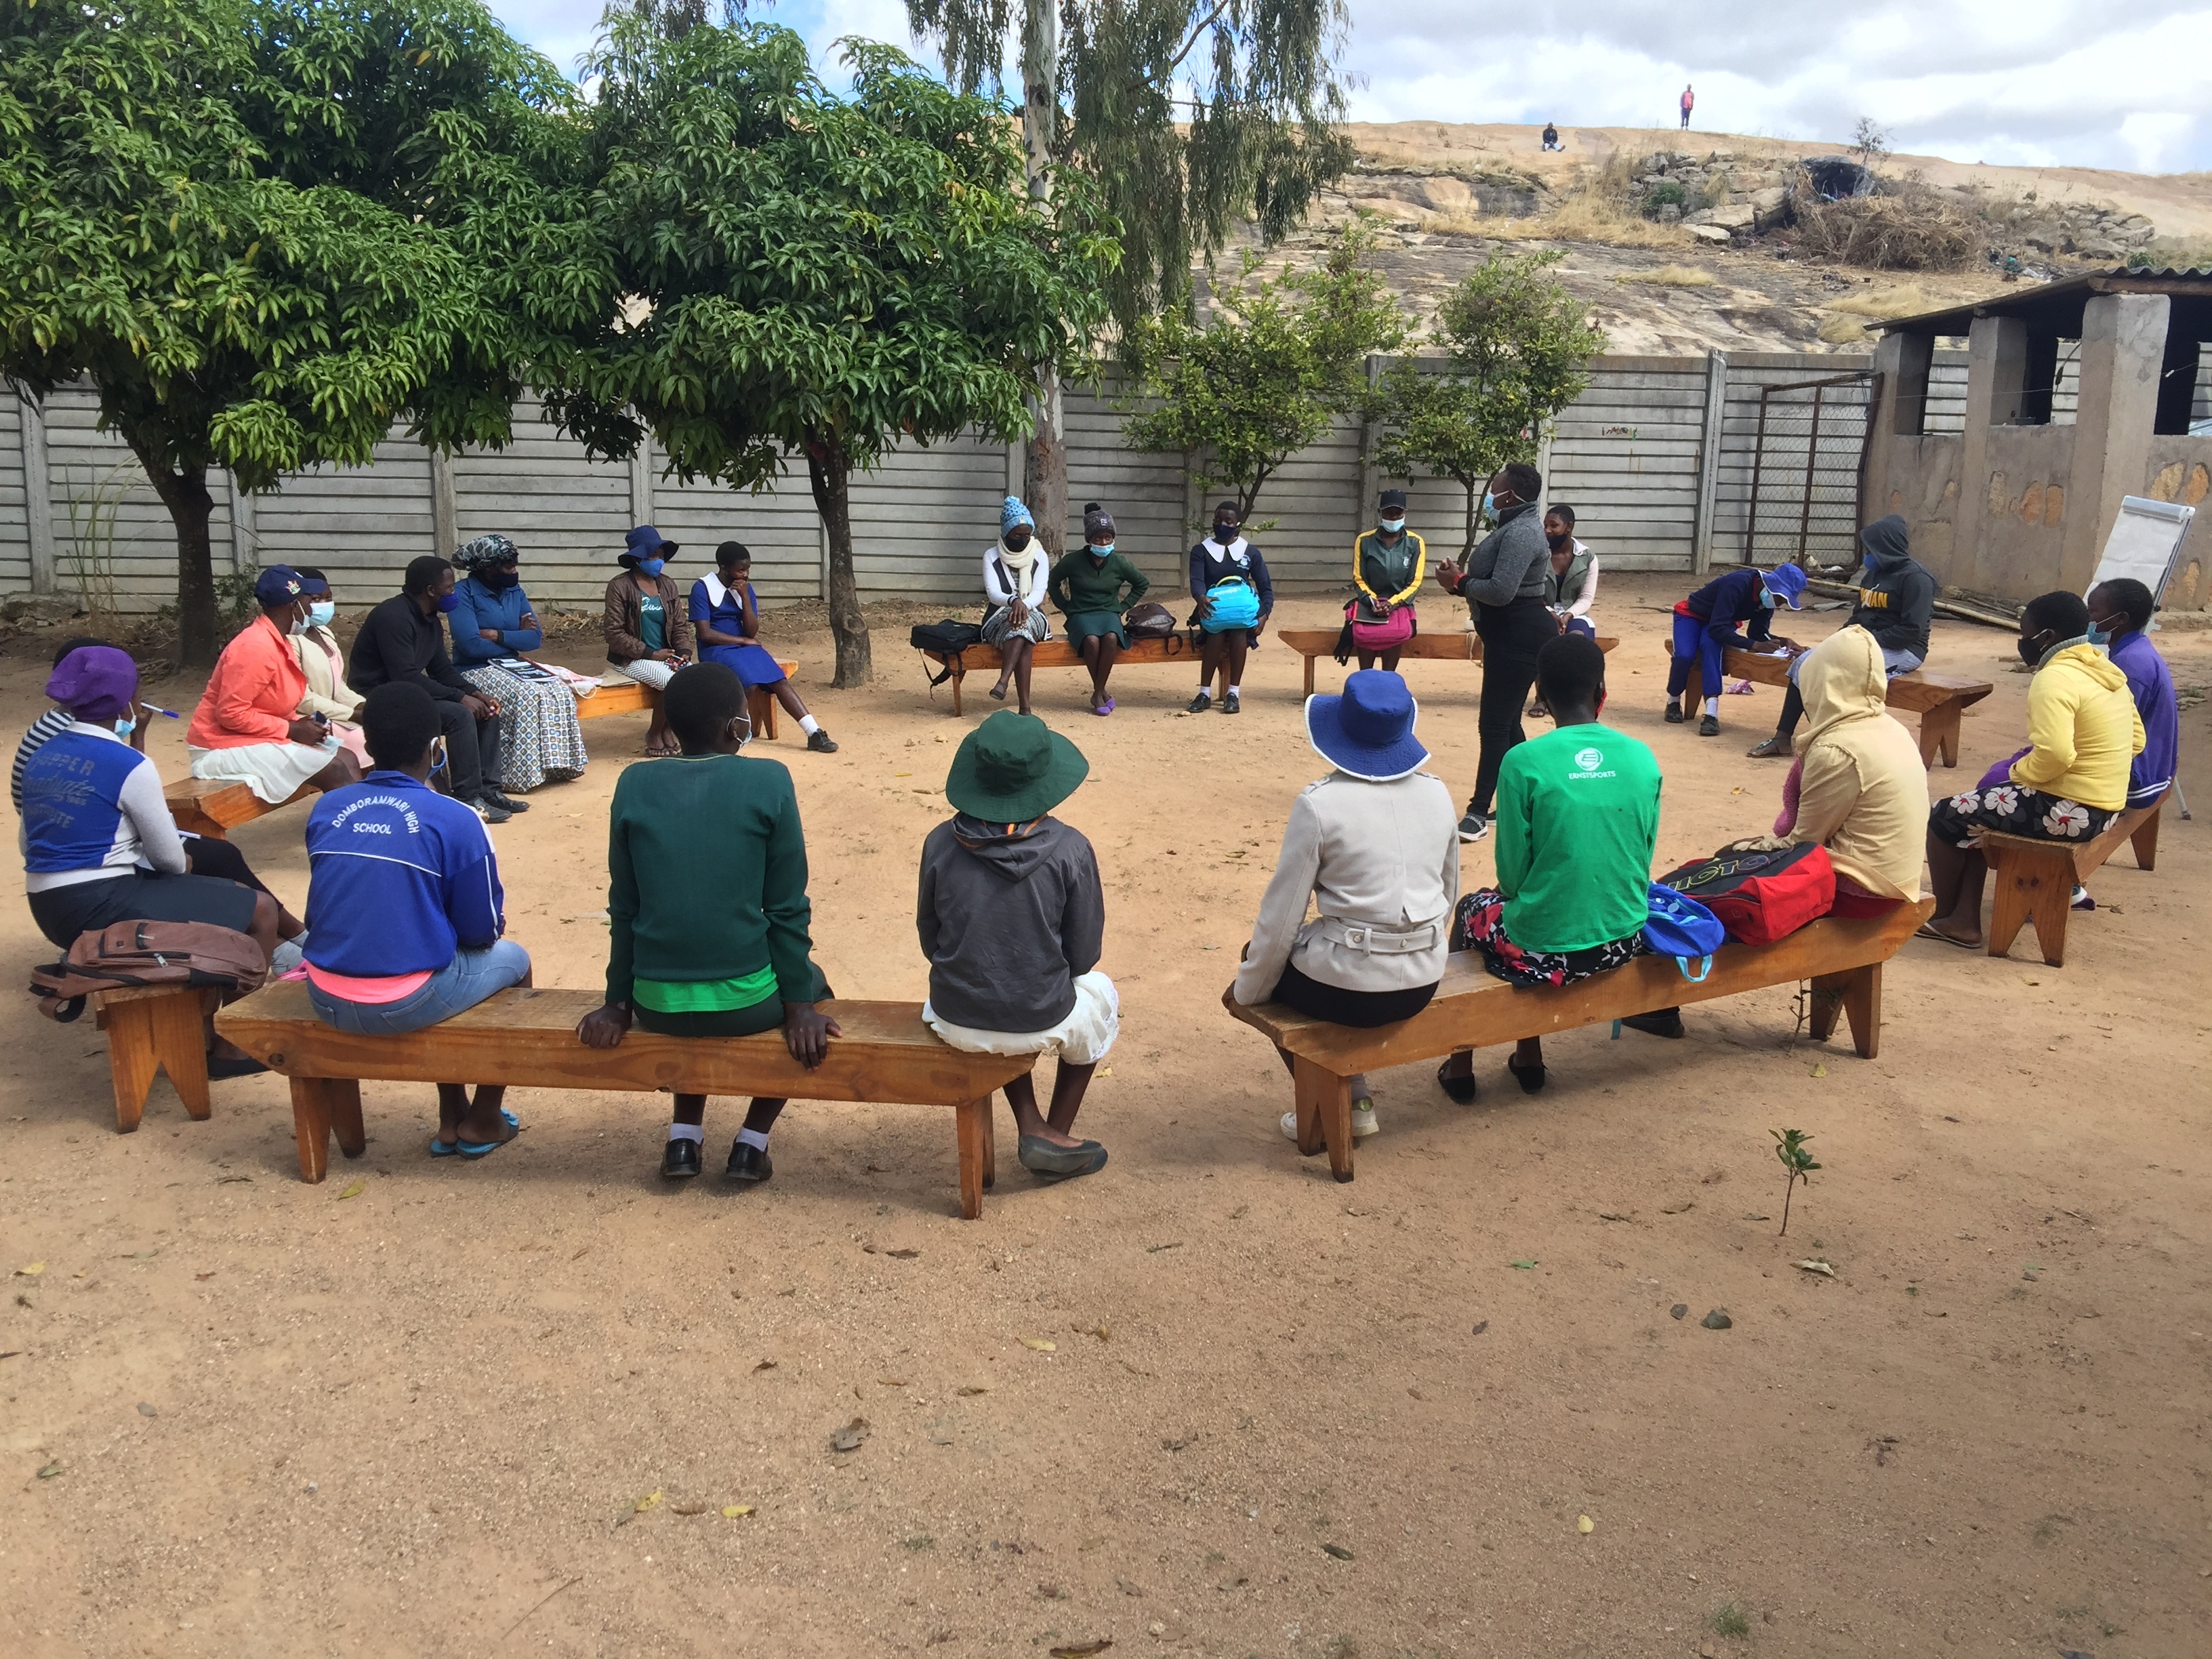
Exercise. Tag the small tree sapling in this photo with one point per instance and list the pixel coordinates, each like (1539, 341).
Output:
(1790, 1147)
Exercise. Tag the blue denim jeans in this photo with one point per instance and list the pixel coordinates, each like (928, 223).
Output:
(467, 980)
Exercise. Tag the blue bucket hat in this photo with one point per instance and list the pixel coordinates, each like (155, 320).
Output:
(1787, 582)
(1368, 731)
(1014, 512)
(644, 542)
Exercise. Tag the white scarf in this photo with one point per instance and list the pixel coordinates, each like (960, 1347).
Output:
(1020, 565)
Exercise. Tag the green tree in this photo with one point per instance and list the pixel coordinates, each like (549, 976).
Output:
(234, 307)
(1515, 349)
(1264, 376)
(815, 275)
(1190, 115)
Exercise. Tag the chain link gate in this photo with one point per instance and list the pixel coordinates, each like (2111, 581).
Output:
(1807, 457)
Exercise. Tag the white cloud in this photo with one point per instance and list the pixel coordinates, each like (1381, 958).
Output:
(2041, 82)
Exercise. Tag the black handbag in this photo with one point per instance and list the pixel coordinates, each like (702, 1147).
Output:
(946, 639)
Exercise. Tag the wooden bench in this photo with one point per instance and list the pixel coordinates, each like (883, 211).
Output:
(1462, 646)
(152, 1029)
(2035, 879)
(629, 697)
(1938, 699)
(1058, 653)
(527, 1039)
(1472, 1010)
(215, 807)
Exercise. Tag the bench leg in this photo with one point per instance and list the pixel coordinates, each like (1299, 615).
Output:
(976, 1146)
(2145, 842)
(1310, 674)
(1857, 995)
(1324, 1114)
(319, 1104)
(957, 677)
(2040, 890)
(760, 709)
(1939, 734)
(132, 1060)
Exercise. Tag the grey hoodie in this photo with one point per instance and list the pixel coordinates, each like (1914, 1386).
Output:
(1007, 921)
(1511, 562)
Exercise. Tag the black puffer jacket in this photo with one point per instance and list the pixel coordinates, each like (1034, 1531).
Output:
(1898, 603)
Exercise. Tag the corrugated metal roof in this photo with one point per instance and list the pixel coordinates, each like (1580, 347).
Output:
(2068, 295)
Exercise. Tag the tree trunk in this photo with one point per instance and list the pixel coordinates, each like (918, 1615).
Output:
(829, 471)
(1471, 524)
(1044, 476)
(191, 509)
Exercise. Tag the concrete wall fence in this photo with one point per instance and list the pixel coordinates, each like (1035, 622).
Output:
(1656, 457)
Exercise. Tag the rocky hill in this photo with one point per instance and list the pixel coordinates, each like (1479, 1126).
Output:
(1690, 242)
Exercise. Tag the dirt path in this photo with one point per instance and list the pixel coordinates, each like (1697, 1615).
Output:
(244, 1417)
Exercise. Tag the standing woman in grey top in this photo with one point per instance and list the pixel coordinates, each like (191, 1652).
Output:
(1504, 585)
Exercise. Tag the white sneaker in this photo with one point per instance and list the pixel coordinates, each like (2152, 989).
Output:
(1363, 1123)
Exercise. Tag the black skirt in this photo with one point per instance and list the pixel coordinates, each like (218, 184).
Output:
(1365, 1009)
(63, 913)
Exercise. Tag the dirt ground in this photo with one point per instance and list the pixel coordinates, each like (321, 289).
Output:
(509, 1407)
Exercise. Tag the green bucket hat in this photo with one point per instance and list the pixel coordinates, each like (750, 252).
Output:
(1013, 768)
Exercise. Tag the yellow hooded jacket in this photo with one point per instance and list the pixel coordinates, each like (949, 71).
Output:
(2083, 727)
(1863, 792)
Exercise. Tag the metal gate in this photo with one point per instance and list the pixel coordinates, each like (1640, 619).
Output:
(1808, 456)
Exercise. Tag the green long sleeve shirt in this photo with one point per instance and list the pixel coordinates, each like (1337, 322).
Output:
(707, 877)
(1577, 822)
(1079, 583)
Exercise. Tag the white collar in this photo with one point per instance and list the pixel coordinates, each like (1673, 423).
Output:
(1240, 550)
(107, 732)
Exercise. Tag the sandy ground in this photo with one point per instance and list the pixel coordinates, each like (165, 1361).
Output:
(428, 1408)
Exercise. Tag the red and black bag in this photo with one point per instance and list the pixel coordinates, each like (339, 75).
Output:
(1761, 897)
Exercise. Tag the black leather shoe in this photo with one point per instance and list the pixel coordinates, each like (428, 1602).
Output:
(490, 810)
(1674, 716)
(1461, 1089)
(681, 1161)
(749, 1163)
(1661, 1022)
(1710, 727)
(505, 802)
(820, 743)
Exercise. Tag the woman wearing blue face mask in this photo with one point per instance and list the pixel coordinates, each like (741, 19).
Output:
(324, 664)
(648, 628)
(493, 625)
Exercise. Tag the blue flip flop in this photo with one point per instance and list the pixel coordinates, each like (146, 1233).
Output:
(475, 1149)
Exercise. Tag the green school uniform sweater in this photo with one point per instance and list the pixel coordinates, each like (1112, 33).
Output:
(1078, 583)
(1578, 822)
(707, 886)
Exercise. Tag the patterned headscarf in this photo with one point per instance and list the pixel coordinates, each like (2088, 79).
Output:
(484, 553)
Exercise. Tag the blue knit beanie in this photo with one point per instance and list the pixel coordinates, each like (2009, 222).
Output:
(1014, 512)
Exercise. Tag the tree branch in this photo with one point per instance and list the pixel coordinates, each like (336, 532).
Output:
(1175, 61)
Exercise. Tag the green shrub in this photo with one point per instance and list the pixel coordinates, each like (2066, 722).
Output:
(1665, 193)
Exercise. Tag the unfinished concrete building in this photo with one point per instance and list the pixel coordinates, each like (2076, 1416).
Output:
(2074, 394)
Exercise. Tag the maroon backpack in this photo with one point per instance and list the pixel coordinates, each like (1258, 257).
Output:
(1761, 897)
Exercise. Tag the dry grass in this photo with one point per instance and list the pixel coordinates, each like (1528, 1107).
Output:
(1582, 218)
(2181, 253)
(1914, 229)
(1669, 277)
(1842, 325)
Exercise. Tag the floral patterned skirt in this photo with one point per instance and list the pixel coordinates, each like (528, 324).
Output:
(1479, 924)
(540, 739)
(2014, 809)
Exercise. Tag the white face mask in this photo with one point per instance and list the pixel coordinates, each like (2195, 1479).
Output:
(1392, 526)
(299, 623)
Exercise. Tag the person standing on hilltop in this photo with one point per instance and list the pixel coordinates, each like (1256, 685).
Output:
(1689, 103)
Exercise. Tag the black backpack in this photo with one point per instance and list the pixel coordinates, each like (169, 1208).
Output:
(948, 638)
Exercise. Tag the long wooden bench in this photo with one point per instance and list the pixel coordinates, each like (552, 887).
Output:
(1458, 646)
(527, 1039)
(1058, 653)
(215, 807)
(2035, 879)
(629, 697)
(1938, 699)
(1471, 1010)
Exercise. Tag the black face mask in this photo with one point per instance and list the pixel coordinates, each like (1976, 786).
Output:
(1225, 533)
(2030, 652)
(499, 580)
(1017, 540)
(1561, 542)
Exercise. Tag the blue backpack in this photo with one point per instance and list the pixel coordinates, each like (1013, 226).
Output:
(1235, 603)
(1682, 928)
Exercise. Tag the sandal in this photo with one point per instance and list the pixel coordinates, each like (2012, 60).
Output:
(1105, 707)
(1928, 930)
(1460, 1088)
(473, 1150)
(1531, 1079)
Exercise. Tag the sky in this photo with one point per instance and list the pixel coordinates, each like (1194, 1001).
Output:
(2029, 83)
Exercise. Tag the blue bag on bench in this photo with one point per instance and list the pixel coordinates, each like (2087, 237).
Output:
(1232, 602)
(1682, 928)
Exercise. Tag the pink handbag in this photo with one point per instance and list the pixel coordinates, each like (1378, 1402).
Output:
(1387, 634)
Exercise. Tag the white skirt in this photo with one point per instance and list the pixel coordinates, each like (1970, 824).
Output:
(273, 771)
(1081, 1039)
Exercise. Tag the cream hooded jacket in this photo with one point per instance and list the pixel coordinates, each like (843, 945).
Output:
(1863, 794)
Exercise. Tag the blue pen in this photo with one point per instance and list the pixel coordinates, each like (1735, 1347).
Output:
(150, 709)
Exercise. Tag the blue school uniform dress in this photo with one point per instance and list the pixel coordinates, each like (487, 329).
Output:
(722, 610)
(1705, 627)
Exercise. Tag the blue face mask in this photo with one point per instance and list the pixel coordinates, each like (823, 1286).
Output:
(1766, 597)
(1098, 552)
(2097, 636)
(1868, 563)
(652, 567)
(1392, 526)
(125, 727)
(438, 758)
(322, 613)
(1490, 503)
(449, 601)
